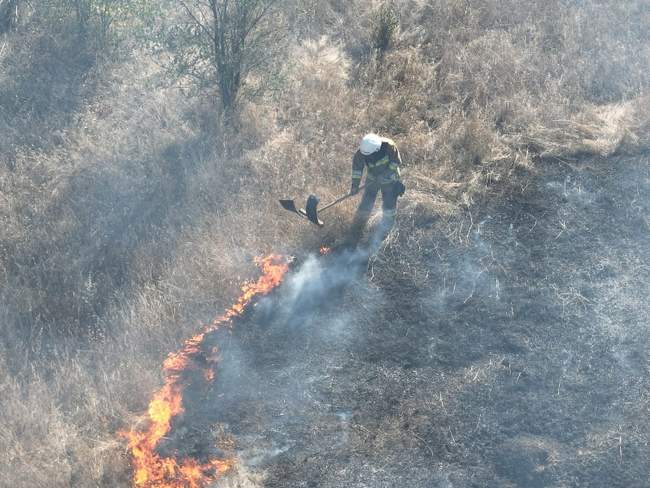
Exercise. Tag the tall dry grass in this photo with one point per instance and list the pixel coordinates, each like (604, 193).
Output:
(130, 213)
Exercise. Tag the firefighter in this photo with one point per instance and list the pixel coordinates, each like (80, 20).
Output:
(382, 160)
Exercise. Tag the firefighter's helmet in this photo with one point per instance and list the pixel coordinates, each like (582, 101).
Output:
(371, 143)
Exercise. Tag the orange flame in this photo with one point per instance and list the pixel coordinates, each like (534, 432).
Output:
(152, 470)
(325, 250)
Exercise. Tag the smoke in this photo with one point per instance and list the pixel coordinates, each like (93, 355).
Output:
(472, 275)
(318, 284)
(280, 362)
(342, 375)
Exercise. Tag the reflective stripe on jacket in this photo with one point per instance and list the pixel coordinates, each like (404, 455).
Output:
(383, 165)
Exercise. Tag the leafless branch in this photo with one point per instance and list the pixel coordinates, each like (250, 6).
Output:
(188, 10)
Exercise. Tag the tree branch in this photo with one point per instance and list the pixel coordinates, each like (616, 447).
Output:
(194, 18)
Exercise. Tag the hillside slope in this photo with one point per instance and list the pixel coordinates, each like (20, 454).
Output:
(497, 337)
(518, 359)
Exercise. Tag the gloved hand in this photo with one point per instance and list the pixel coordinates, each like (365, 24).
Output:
(354, 189)
(399, 188)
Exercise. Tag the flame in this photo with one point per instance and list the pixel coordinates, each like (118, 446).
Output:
(325, 250)
(152, 470)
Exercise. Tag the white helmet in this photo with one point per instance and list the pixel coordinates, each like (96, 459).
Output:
(371, 143)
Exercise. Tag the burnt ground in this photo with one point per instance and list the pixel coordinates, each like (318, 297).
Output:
(505, 347)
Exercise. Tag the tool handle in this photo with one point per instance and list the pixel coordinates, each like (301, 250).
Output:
(339, 200)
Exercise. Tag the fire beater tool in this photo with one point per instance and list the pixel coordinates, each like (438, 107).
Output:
(310, 212)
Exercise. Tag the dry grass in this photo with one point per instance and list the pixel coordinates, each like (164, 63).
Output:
(130, 215)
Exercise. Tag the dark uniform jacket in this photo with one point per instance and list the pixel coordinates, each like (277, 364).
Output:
(383, 165)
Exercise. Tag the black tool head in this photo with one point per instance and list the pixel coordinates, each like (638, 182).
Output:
(311, 210)
(289, 205)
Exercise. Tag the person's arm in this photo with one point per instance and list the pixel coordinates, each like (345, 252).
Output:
(357, 172)
(394, 160)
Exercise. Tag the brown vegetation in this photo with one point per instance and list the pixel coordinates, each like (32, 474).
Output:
(130, 211)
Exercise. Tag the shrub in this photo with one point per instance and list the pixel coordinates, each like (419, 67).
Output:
(385, 26)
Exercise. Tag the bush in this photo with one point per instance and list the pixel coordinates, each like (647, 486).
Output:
(385, 26)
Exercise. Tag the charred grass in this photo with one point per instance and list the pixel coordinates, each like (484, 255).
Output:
(501, 314)
(512, 359)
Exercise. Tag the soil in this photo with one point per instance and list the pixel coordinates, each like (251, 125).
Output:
(505, 347)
